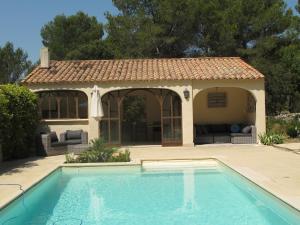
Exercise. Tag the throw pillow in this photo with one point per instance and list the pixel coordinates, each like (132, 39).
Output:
(246, 129)
(235, 128)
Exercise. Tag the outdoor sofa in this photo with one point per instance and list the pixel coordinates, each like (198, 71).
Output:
(53, 146)
(224, 133)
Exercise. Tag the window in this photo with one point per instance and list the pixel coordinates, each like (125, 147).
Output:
(216, 100)
(63, 105)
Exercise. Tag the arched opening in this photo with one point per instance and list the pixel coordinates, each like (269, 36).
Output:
(222, 112)
(63, 104)
(141, 116)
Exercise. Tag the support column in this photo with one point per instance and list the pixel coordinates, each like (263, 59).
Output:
(260, 120)
(93, 128)
(187, 118)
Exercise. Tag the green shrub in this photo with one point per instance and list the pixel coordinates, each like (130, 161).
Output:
(122, 157)
(99, 152)
(293, 131)
(294, 128)
(277, 126)
(18, 121)
(284, 126)
(270, 139)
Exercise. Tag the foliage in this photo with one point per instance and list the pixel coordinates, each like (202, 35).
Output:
(293, 129)
(290, 127)
(14, 64)
(122, 157)
(74, 37)
(278, 126)
(134, 108)
(99, 152)
(271, 138)
(18, 121)
(153, 28)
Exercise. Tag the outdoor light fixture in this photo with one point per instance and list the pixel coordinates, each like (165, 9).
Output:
(186, 93)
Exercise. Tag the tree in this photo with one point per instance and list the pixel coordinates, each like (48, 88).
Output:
(14, 63)
(278, 57)
(151, 28)
(228, 26)
(74, 37)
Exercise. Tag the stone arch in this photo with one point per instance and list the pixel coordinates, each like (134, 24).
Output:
(168, 123)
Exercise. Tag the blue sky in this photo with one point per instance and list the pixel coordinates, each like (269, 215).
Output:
(21, 20)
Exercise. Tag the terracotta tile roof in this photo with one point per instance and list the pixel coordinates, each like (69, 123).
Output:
(207, 68)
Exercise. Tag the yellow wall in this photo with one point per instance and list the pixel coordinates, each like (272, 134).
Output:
(234, 112)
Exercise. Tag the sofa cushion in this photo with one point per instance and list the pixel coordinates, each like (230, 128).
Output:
(200, 129)
(204, 129)
(73, 141)
(246, 129)
(219, 128)
(53, 137)
(73, 134)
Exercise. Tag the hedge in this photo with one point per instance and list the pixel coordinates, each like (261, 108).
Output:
(18, 121)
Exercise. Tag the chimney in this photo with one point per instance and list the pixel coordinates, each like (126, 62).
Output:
(45, 60)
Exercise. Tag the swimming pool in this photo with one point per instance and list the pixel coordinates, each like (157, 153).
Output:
(132, 195)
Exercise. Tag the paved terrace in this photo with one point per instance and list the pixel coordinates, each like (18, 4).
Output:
(274, 169)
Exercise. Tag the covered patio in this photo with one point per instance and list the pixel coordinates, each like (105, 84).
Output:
(224, 115)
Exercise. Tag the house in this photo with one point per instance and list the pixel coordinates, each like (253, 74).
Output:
(149, 101)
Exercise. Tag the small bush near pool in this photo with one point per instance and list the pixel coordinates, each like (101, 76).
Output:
(270, 139)
(99, 152)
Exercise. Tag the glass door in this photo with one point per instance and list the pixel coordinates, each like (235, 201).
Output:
(171, 120)
(110, 123)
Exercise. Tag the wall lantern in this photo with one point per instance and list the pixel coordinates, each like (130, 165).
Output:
(186, 94)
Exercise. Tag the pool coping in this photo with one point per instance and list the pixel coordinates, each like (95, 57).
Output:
(273, 193)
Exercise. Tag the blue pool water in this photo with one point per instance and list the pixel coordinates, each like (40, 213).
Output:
(132, 196)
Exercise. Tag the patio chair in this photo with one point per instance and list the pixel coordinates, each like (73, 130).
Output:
(52, 146)
(244, 138)
(73, 137)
